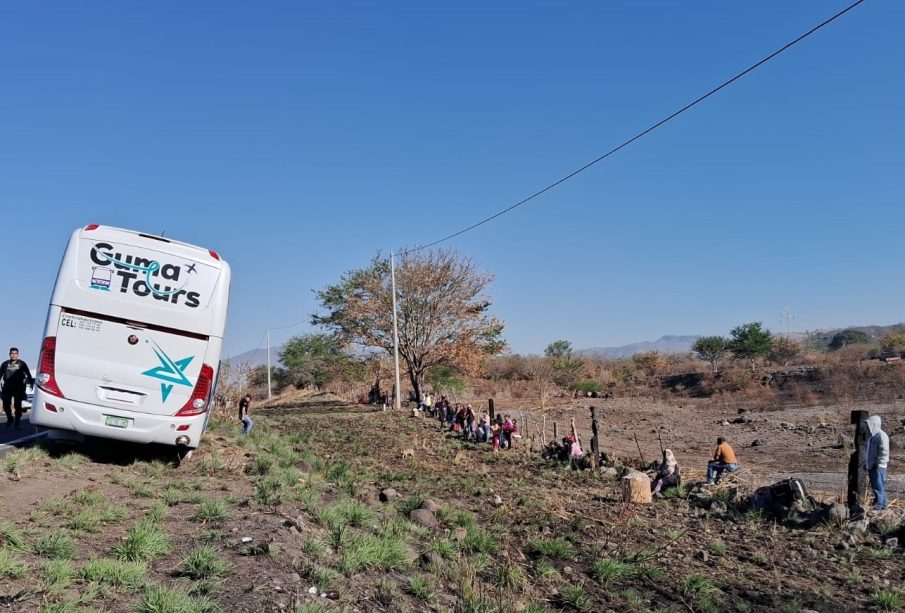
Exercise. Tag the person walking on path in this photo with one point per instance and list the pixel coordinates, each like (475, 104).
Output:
(14, 376)
(244, 410)
(723, 460)
(876, 458)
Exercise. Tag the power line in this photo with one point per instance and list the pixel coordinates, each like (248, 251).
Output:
(642, 133)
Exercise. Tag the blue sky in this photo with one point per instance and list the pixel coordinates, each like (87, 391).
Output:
(297, 139)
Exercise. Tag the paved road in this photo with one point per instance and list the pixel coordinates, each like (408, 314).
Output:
(9, 434)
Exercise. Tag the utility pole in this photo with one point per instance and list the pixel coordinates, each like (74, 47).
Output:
(397, 401)
(785, 319)
(269, 391)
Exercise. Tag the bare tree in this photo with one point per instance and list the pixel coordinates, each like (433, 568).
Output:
(541, 372)
(443, 310)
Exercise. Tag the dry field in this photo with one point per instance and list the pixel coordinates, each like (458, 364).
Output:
(253, 524)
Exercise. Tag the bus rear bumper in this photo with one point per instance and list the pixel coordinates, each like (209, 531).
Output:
(105, 422)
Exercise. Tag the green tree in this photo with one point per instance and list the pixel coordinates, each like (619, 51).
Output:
(711, 349)
(314, 360)
(565, 366)
(894, 342)
(445, 379)
(750, 342)
(443, 311)
(279, 377)
(850, 337)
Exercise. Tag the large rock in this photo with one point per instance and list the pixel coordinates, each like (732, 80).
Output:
(423, 517)
(609, 473)
(430, 505)
(388, 494)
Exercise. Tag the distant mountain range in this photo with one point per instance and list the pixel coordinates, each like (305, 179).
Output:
(665, 344)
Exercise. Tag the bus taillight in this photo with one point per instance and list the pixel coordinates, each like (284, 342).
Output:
(47, 379)
(197, 403)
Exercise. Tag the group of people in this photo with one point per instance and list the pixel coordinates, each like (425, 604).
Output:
(462, 419)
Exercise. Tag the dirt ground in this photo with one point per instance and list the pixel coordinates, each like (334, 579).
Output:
(294, 508)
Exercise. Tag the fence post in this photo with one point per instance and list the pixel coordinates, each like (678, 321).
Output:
(857, 477)
(595, 445)
(490, 408)
(555, 431)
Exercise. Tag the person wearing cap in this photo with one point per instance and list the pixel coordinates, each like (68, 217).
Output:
(876, 459)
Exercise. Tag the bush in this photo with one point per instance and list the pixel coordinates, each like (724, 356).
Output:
(587, 385)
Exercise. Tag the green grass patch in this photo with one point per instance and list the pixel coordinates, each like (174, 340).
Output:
(422, 587)
(575, 597)
(211, 510)
(509, 576)
(161, 599)
(12, 567)
(444, 548)
(203, 563)
(157, 512)
(269, 491)
(118, 574)
(360, 551)
(478, 541)
(71, 461)
(10, 537)
(57, 574)
(556, 548)
(55, 546)
(144, 542)
(888, 600)
(610, 570)
(718, 548)
(88, 497)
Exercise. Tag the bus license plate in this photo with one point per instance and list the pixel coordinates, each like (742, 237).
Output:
(117, 422)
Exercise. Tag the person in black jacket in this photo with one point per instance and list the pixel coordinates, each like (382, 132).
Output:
(14, 376)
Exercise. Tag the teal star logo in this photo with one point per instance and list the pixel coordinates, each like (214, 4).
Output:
(171, 371)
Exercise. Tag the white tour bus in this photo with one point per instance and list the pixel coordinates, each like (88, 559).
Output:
(131, 347)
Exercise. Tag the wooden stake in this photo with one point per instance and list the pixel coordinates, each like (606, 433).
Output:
(857, 477)
(555, 431)
(595, 442)
(544, 433)
(639, 449)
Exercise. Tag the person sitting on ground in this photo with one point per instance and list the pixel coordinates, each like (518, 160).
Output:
(668, 475)
(876, 459)
(576, 455)
(723, 460)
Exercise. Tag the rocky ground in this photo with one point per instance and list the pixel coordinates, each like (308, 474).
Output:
(292, 519)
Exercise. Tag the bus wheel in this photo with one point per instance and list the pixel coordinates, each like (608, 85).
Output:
(184, 453)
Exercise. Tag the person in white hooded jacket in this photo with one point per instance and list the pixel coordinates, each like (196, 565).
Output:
(876, 458)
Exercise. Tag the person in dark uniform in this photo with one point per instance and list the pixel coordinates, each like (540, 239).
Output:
(14, 376)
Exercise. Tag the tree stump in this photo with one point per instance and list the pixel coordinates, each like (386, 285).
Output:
(636, 488)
